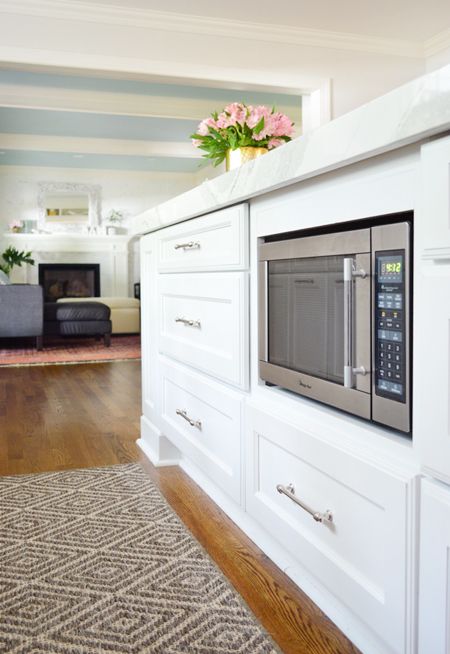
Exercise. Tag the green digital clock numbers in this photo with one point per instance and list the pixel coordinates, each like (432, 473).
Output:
(391, 267)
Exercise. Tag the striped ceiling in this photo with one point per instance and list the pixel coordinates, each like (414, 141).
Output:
(103, 123)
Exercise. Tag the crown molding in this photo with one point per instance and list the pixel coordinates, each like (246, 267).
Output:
(83, 10)
(437, 43)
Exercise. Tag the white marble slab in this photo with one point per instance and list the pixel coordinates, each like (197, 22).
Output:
(412, 112)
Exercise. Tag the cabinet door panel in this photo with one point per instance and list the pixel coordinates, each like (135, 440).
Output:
(434, 586)
(433, 226)
(431, 417)
(203, 419)
(204, 323)
(218, 241)
(361, 556)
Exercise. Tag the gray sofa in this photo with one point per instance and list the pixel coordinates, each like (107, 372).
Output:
(22, 312)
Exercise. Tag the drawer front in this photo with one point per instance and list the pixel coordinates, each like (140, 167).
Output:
(361, 555)
(204, 323)
(218, 241)
(203, 419)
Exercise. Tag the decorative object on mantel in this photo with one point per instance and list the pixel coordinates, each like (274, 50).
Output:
(255, 130)
(12, 257)
(114, 219)
(16, 226)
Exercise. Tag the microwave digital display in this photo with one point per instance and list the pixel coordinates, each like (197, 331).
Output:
(390, 269)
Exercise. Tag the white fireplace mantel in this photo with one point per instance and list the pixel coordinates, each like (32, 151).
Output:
(113, 253)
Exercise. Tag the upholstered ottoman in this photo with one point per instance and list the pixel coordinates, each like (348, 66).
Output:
(125, 312)
(78, 319)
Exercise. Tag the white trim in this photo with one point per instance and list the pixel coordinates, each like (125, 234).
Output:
(437, 43)
(81, 10)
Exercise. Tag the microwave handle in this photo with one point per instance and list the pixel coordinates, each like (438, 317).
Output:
(349, 274)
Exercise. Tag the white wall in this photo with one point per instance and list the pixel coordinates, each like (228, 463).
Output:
(356, 76)
(133, 192)
(438, 60)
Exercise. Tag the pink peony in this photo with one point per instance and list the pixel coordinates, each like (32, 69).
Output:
(203, 127)
(274, 143)
(236, 126)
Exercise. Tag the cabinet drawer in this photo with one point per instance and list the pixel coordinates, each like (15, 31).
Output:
(204, 323)
(361, 555)
(203, 419)
(218, 241)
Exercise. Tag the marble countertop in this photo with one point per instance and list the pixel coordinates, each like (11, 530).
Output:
(410, 113)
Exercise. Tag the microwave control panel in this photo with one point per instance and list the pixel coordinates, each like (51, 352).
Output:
(390, 323)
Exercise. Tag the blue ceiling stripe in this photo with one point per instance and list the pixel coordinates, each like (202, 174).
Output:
(218, 97)
(68, 123)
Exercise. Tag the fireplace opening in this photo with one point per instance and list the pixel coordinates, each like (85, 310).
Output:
(69, 280)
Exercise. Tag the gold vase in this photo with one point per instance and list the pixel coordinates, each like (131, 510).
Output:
(236, 158)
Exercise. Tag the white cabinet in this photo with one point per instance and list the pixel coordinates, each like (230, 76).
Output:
(203, 322)
(434, 583)
(218, 241)
(433, 226)
(149, 327)
(195, 340)
(203, 419)
(361, 556)
(432, 369)
(432, 312)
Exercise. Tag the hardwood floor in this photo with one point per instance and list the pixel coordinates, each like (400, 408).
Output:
(59, 417)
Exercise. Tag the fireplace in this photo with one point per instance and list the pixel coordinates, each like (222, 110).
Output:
(69, 280)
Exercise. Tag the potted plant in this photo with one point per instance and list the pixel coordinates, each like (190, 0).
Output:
(114, 219)
(12, 257)
(241, 132)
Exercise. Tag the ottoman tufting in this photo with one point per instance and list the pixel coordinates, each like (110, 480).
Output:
(78, 319)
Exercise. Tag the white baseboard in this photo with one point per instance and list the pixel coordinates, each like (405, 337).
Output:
(155, 445)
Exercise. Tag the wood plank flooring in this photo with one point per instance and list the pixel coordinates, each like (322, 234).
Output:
(74, 416)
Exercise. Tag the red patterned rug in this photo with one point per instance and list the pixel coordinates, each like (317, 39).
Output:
(72, 351)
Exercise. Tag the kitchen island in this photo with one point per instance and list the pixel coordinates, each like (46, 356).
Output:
(379, 567)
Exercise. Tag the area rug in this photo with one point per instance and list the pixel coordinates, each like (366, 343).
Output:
(95, 561)
(73, 351)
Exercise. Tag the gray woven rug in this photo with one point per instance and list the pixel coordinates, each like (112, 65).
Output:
(95, 561)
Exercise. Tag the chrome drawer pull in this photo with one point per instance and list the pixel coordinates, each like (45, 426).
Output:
(192, 245)
(289, 491)
(189, 323)
(193, 423)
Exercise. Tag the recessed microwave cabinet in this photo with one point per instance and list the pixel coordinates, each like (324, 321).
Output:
(334, 319)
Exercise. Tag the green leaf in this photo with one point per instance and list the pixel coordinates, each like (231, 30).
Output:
(259, 125)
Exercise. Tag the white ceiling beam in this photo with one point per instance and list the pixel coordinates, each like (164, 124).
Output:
(102, 102)
(118, 104)
(75, 145)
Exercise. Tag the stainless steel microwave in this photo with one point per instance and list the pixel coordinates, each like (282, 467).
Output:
(335, 319)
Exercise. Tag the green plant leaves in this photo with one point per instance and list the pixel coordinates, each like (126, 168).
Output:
(13, 257)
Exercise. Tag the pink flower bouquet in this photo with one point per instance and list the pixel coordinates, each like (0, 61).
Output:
(241, 126)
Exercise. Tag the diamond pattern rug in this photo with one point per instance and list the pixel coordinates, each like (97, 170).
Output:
(95, 561)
